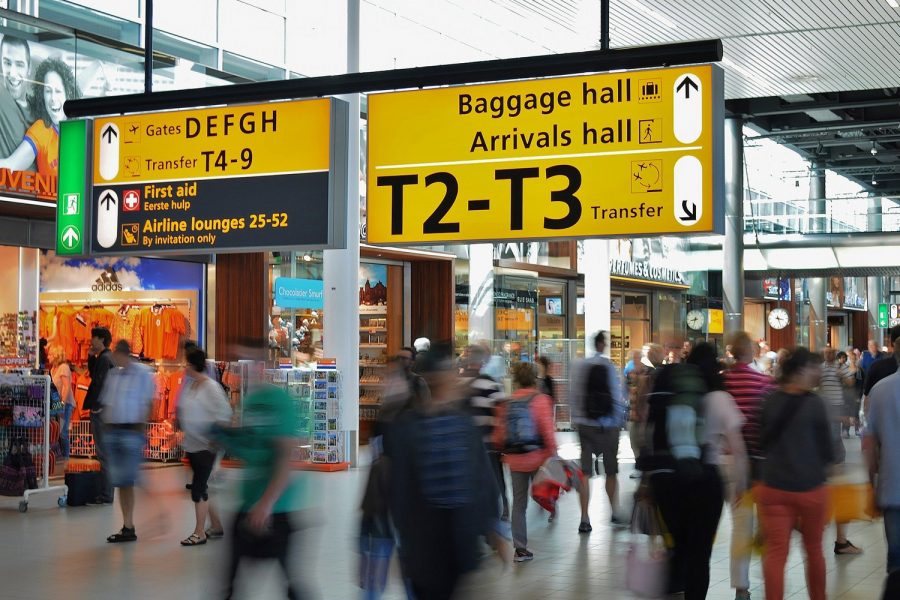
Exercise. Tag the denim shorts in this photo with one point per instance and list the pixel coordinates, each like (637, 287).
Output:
(124, 453)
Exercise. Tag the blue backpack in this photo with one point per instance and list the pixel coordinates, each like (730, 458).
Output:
(522, 435)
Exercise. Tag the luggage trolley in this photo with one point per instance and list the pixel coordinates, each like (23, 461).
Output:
(25, 438)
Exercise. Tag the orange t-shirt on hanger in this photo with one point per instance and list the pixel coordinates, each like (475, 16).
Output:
(175, 327)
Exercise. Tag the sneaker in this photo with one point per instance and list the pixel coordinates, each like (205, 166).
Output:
(846, 548)
(523, 555)
(552, 516)
(99, 502)
(742, 595)
(585, 528)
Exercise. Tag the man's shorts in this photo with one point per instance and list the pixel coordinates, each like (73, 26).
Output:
(599, 441)
(124, 453)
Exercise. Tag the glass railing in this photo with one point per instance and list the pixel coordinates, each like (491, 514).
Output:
(828, 216)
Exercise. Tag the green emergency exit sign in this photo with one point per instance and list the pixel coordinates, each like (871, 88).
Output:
(71, 221)
(883, 316)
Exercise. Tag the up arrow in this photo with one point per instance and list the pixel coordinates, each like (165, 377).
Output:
(108, 201)
(109, 133)
(686, 85)
(70, 237)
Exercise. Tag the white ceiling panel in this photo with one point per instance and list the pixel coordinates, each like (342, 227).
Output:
(772, 47)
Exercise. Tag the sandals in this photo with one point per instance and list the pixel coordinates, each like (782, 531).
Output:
(214, 533)
(193, 540)
(125, 535)
(846, 548)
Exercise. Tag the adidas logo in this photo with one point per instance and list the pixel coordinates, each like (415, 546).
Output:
(107, 282)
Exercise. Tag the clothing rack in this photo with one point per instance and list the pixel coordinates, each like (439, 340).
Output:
(95, 302)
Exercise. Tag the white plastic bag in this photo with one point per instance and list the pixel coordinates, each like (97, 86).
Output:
(647, 566)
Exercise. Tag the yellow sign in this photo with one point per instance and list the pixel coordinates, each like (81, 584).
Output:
(253, 139)
(716, 320)
(632, 153)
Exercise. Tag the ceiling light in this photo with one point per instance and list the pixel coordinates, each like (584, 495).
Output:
(874, 150)
(307, 257)
(874, 181)
(893, 3)
(649, 12)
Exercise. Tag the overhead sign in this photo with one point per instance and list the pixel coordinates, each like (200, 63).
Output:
(620, 154)
(883, 318)
(715, 320)
(220, 179)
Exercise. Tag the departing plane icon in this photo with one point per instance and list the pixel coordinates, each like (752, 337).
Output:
(133, 128)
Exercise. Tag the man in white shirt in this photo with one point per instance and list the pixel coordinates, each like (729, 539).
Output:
(126, 399)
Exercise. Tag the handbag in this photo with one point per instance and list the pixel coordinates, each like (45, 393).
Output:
(647, 561)
(852, 501)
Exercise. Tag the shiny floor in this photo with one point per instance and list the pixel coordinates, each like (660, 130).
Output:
(51, 553)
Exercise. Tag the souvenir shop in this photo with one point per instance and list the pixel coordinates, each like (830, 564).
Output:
(154, 305)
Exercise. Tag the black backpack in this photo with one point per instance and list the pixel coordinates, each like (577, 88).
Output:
(675, 423)
(598, 400)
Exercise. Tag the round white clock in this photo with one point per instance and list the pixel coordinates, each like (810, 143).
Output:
(779, 318)
(696, 319)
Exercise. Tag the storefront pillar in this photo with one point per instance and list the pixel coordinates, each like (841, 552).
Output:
(341, 268)
(481, 292)
(733, 267)
(818, 313)
(875, 295)
(597, 298)
(873, 214)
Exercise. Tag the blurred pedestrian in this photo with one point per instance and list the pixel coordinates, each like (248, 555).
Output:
(270, 497)
(872, 354)
(527, 435)
(61, 374)
(884, 366)
(691, 419)
(545, 382)
(99, 365)
(597, 409)
(748, 387)
(835, 377)
(203, 404)
(883, 457)
(484, 395)
(796, 441)
(443, 493)
(126, 400)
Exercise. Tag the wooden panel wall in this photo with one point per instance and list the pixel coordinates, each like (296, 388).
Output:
(787, 337)
(859, 329)
(395, 309)
(242, 293)
(433, 297)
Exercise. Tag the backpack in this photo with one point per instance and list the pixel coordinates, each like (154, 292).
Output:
(522, 435)
(598, 400)
(675, 423)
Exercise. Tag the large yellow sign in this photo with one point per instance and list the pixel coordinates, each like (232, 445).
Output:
(631, 153)
(254, 139)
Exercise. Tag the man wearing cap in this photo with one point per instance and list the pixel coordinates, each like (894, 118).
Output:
(126, 400)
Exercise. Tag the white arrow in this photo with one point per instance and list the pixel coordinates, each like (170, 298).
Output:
(688, 108)
(107, 218)
(109, 150)
(70, 237)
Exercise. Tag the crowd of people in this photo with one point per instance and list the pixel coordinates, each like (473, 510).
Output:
(754, 432)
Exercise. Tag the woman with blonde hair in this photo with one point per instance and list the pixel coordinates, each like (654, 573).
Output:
(61, 375)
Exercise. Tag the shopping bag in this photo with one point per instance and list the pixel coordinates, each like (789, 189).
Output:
(851, 501)
(647, 567)
(374, 564)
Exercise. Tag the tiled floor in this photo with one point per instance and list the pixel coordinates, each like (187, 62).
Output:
(50, 553)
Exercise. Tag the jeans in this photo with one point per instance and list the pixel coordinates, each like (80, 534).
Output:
(892, 533)
(690, 509)
(779, 513)
(521, 485)
(106, 491)
(64, 430)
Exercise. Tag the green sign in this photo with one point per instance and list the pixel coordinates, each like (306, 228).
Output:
(70, 209)
(883, 316)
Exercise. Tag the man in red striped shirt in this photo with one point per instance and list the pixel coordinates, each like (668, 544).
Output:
(748, 387)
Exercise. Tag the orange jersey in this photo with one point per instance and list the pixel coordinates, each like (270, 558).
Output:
(44, 141)
(175, 327)
(152, 332)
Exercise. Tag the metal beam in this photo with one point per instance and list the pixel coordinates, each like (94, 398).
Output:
(836, 142)
(801, 107)
(825, 127)
(506, 69)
